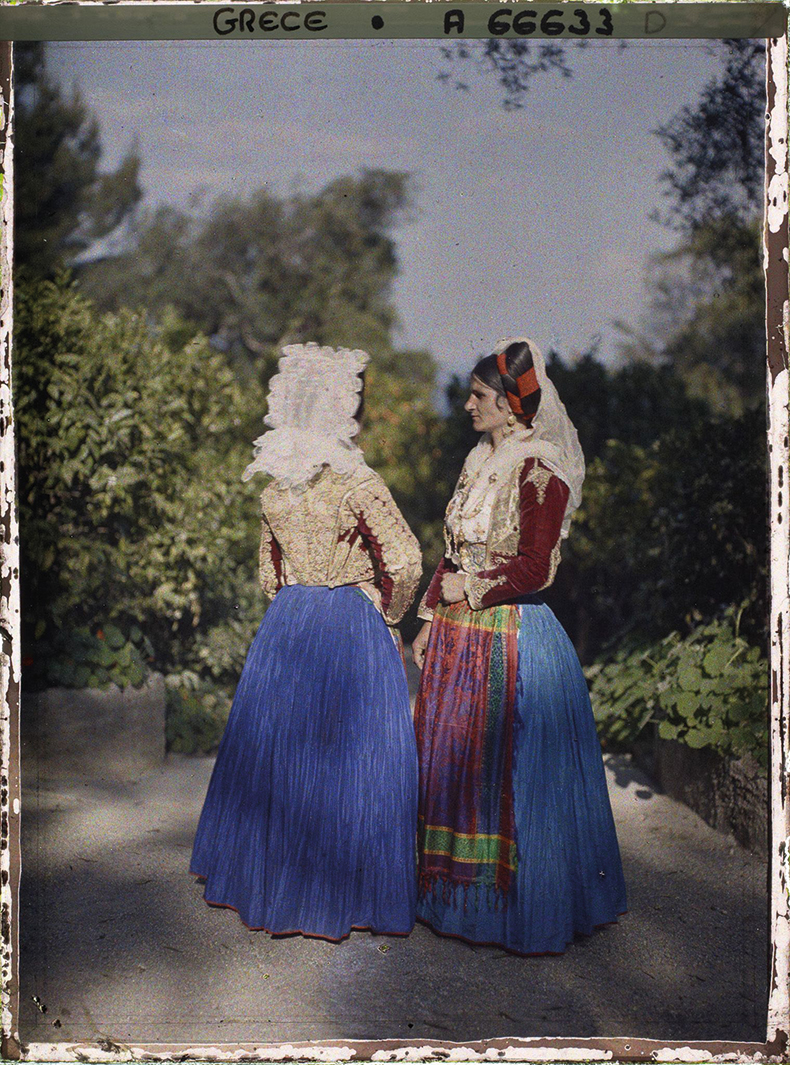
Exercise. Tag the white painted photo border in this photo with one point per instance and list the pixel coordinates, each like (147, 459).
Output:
(777, 1045)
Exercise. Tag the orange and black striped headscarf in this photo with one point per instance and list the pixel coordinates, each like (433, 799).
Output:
(516, 388)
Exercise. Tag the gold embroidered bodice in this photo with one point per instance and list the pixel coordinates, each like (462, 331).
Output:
(340, 530)
(506, 540)
(503, 518)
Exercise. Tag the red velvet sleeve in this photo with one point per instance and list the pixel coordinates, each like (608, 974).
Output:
(270, 561)
(433, 592)
(373, 544)
(391, 546)
(543, 498)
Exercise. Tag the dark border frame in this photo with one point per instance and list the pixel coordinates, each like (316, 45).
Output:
(707, 19)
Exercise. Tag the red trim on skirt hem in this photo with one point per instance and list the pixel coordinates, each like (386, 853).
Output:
(296, 931)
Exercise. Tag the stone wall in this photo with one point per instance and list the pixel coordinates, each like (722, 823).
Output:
(731, 794)
(97, 733)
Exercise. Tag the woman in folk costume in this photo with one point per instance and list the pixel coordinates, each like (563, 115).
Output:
(310, 818)
(517, 846)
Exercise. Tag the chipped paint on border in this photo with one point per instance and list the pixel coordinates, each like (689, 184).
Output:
(775, 1049)
(776, 147)
(10, 652)
(515, 1050)
(777, 316)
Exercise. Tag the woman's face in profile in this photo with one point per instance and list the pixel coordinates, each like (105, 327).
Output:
(489, 410)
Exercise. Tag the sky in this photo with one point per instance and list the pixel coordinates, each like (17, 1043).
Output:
(533, 222)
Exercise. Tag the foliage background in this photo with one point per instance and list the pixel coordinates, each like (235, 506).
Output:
(140, 378)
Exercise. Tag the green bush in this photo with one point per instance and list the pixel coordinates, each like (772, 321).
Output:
(132, 440)
(709, 689)
(197, 711)
(81, 658)
(667, 536)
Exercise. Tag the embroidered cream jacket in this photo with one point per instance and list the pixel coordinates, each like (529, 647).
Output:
(340, 530)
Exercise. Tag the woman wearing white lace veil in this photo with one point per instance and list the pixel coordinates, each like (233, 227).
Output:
(309, 821)
(517, 845)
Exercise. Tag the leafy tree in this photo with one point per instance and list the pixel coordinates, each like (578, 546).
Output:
(404, 439)
(716, 146)
(634, 404)
(255, 273)
(707, 314)
(609, 559)
(132, 439)
(131, 445)
(63, 202)
(706, 318)
(711, 520)
(512, 61)
(718, 344)
(668, 536)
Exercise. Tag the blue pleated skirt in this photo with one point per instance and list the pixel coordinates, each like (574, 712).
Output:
(567, 875)
(309, 821)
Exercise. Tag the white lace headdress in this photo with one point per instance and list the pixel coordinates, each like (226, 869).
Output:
(312, 401)
(553, 439)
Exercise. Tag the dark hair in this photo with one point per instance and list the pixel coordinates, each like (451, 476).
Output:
(518, 359)
(358, 414)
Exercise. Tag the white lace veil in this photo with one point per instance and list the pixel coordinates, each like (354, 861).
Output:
(554, 439)
(312, 401)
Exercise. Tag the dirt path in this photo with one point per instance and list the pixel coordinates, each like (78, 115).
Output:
(118, 944)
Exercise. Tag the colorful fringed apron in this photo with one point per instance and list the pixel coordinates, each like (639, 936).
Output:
(464, 723)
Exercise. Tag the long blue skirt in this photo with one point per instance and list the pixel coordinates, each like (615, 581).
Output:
(563, 875)
(310, 817)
